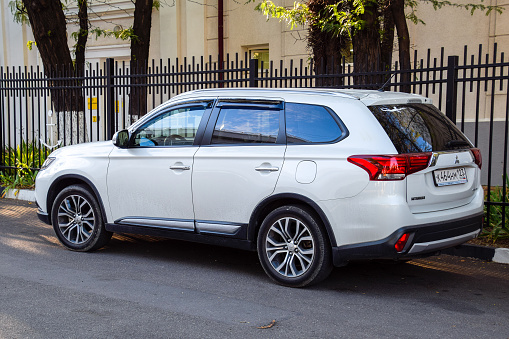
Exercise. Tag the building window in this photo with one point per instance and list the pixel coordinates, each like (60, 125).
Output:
(260, 54)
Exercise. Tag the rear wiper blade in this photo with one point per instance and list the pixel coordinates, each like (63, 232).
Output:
(457, 143)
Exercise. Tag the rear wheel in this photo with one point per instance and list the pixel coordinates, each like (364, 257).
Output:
(292, 248)
(77, 220)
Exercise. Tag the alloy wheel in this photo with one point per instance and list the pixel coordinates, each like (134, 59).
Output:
(76, 219)
(290, 247)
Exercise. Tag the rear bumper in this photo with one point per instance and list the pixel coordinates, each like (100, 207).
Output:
(424, 239)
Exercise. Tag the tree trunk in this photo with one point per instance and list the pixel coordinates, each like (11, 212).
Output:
(327, 56)
(327, 50)
(387, 43)
(366, 44)
(398, 11)
(140, 45)
(82, 37)
(48, 24)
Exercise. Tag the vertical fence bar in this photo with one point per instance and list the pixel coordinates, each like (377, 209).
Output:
(253, 73)
(2, 112)
(441, 76)
(110, 99)
(8, 96)
(478, 95)
(452, 87)
(428, 59)
(504, 167)
(492, 118)
(464, 87)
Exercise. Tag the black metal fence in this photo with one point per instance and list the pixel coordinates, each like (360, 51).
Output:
(57, 110)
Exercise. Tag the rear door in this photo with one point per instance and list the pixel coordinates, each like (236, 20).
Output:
(452, 177)
(238, 164)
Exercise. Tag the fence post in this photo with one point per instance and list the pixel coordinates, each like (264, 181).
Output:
(451, 95)
(110, 99)
(253, 72)
(2, 145)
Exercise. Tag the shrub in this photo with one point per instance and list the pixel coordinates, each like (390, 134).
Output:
(26, 157)
(496, 229)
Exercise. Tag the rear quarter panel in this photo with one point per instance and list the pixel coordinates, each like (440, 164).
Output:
(335, 177)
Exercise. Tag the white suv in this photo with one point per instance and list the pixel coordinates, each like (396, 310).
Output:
(310, 178)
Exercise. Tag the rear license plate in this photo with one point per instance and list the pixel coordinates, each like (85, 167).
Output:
(453, 176)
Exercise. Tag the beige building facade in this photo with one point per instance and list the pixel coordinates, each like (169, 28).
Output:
(187, 28)
(190, 28)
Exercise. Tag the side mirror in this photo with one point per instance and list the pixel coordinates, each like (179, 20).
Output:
(121, 138)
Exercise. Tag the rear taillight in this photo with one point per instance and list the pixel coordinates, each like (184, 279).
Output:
(391, 167)
(400, 244)
(477, 156)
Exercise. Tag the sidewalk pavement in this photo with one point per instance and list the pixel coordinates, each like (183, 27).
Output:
(499, 255)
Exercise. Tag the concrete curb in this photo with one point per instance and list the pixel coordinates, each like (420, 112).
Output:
(22, 194)
(498, 255)
(501, 255)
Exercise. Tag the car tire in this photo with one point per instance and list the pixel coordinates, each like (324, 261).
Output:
(77, 220)
(293, 248)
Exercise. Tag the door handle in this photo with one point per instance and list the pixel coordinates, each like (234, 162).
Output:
(180, 167)
(268, 169)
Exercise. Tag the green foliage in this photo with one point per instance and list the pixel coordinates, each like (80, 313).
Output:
(78, 33)
(496, 229)
(411, 15)
(122, 34)
(412, 5)
(298, 15)
(20, 16)
(26, 157)
(19, 11)
(437, 4)
(343, 17)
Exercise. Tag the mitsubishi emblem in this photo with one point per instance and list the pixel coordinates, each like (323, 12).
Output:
(457, 160)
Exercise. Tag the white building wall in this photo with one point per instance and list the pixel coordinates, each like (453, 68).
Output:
(13, 41)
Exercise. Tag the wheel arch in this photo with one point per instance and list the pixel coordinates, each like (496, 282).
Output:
(282, 199)
(67, 180)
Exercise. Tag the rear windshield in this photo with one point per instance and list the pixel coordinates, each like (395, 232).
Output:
(419, 128)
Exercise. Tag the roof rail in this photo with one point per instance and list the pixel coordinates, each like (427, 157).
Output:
(316, 91)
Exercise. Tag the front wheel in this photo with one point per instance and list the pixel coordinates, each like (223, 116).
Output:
(292, 247)
(77, 220)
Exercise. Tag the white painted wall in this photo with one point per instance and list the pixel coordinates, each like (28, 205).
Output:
(13, 41)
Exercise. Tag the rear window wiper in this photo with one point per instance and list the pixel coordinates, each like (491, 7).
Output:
(457, 143)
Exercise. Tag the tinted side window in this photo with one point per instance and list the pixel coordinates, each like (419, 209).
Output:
(246, 126)
(174, 127)
(419, 128)
(310, 124)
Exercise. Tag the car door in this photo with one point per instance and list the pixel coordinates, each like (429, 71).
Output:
(238, 164)
(149, 183)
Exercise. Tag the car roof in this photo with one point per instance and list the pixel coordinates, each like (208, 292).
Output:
(367, 97)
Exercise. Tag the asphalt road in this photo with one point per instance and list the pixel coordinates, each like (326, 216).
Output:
(143, 287)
